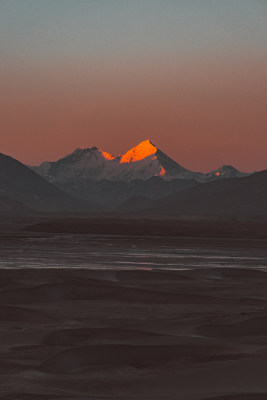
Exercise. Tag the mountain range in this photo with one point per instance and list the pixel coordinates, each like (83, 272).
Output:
(143, 161)
(143, 180)
(109, 180)
(231, 198)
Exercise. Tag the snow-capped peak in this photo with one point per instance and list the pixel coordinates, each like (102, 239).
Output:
(107, 156)
(226, 171)
(139, 152)
(141, 162)
(80, 153)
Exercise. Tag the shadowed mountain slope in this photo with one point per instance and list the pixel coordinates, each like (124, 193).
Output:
(110, 194)
(27, 190)
(243, 197)
(11, 206)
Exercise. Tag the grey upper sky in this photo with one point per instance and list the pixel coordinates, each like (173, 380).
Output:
(106, 28)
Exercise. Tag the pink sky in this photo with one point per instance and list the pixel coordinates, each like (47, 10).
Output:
(188, 75)
(202, 115)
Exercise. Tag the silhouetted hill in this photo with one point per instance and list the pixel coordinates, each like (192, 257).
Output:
(228, 197)
(28, 190)
(110, 194)
(243, 197)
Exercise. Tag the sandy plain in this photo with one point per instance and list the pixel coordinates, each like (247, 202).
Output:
(83, 334)
(73, 327)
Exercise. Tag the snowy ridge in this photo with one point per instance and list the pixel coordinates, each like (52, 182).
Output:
(107, 179)
(142, 162)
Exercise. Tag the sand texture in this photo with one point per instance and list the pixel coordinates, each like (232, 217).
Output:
(187, 335)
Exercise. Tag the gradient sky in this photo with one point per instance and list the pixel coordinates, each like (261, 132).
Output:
(189, 75)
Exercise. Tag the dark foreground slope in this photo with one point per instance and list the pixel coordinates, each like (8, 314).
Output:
(26, 190)
(110, 194)
(12, 206)
(187, 335)
(243, 197)
(235, 198)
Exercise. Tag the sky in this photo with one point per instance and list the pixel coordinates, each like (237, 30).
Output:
(190, 75)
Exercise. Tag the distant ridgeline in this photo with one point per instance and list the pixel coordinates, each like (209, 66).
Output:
(110, 180)
(143, 180)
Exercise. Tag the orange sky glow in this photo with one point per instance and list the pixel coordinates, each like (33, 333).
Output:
(188, 75)
(202, 117)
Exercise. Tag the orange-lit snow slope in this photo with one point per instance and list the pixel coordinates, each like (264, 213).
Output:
(141, 151)
(142, 162)
(107, 156)
(162, 172)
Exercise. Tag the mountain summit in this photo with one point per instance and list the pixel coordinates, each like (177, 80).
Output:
(143, 161)
(226, 171)
(139, 152)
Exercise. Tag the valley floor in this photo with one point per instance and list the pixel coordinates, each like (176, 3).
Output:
(161, 335)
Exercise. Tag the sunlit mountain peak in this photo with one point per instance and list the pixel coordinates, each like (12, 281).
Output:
(139, 152)
(142, 162)
(107, 156)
